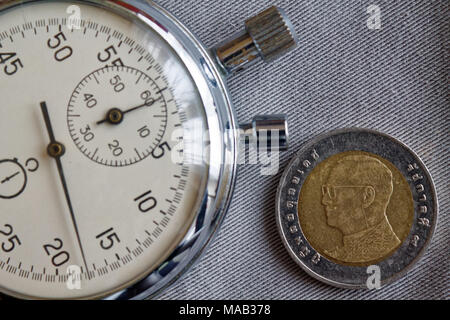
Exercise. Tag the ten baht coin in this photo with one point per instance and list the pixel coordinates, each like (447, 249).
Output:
(356, 208)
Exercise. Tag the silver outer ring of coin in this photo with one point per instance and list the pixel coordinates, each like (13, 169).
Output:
(356, 139)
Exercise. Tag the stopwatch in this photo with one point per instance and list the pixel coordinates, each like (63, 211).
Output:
(119, 144)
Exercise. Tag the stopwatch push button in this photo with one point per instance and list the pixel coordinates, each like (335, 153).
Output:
(269, 131)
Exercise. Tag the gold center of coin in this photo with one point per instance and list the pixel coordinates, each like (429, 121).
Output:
(356, 208)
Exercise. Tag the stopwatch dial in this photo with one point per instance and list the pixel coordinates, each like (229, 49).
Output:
(13, 178)
(117, 115)
(102, 144)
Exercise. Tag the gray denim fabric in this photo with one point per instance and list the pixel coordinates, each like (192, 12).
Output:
(343, 74)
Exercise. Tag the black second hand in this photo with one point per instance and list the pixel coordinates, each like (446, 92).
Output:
(63, 181)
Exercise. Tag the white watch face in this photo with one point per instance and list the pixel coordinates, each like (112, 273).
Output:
(114, 194)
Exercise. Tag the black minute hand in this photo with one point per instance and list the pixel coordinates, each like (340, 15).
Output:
(115, 116)
(56, 150)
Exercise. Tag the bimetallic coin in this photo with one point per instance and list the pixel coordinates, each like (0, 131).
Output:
(356, 208)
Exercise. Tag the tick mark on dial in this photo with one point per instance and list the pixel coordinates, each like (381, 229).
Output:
(96, 80)
(95, 153)
(139, 79)
(137, 152)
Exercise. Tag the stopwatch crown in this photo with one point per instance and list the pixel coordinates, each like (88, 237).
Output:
(268, 35)
(272, 33)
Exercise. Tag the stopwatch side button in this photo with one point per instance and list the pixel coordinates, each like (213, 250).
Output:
(267, 35)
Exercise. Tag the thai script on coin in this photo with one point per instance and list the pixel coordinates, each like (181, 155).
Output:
(353, 199)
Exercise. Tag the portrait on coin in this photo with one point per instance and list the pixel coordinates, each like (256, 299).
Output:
(355, 208)
(357, 193)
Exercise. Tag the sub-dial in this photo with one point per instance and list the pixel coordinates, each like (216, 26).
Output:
(117, 115)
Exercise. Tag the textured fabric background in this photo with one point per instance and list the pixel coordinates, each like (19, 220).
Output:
(394, 80)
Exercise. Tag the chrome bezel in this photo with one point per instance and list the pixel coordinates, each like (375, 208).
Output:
(223, 142)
